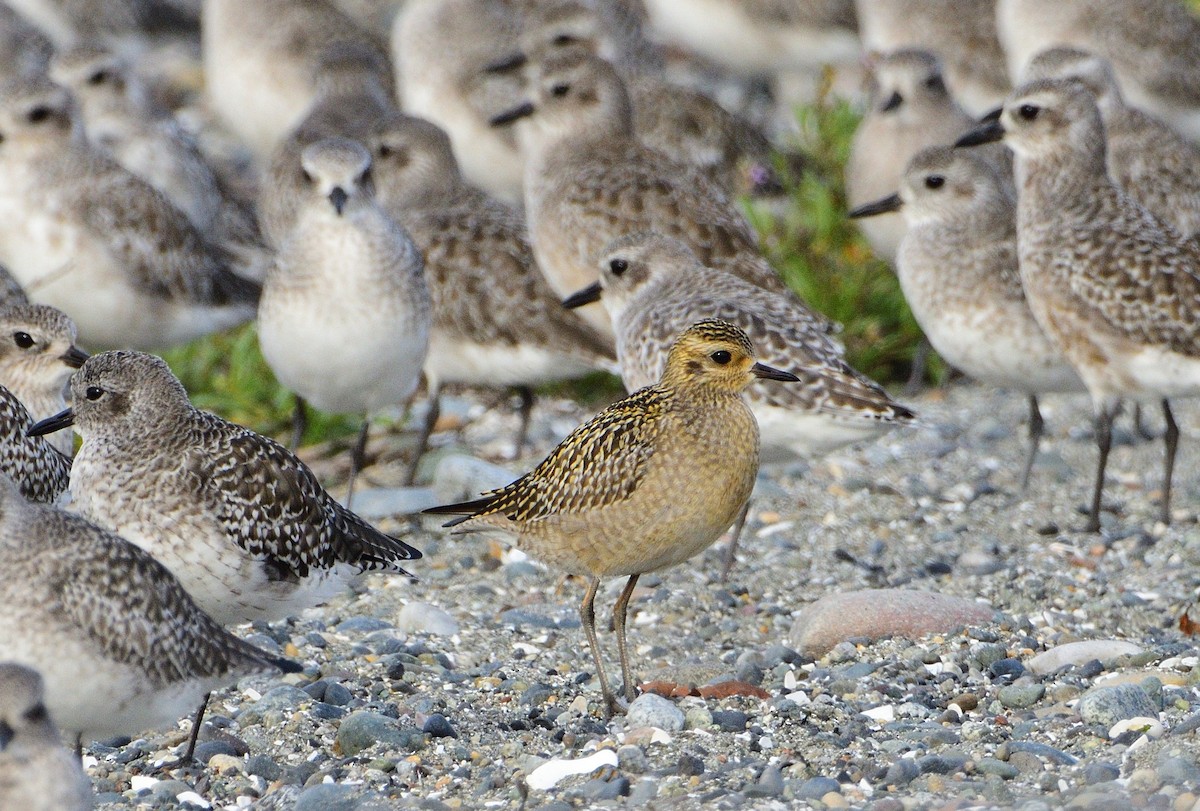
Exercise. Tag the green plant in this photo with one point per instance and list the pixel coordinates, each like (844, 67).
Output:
(822, 256)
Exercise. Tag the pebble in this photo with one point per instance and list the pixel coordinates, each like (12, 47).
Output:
(633, 759)
(1006, 670)
(362, 729)
(689, 765)
(902, 772)
(1021, 696)
(327, 797)
(1179, 771)
(1094, 773)
(815, 788)
(598, 790)
(1080, 653)
(438, 726)
(730, 720)
(423, 618)
(878, 613)
(1107, 705)
(697, 718)
(550, 773)
(769, 784)
(993, 766)
(207, 749)
(652, 710)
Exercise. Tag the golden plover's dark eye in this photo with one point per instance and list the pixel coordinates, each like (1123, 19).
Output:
(935, 182)
(721, 356)
(1029, 111)
(618, 266)
(23, 339)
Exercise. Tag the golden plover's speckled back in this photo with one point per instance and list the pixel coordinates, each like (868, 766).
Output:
(648, 483)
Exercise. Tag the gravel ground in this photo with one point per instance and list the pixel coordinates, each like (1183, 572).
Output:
(469, 688)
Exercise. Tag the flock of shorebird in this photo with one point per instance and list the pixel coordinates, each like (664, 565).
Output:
(426, 205)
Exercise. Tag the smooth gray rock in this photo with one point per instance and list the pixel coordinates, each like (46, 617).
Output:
(1107, 705)
(423, 618)
(652, 710)
(361, 730)
(1080, 653)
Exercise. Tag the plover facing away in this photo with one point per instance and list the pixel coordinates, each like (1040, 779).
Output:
(345, 311)
(648, 483)
(122, 647)
(1148, 160)
(81, 233)
(589, 180)
(1112, 285)
(958, 269)
(496, 321)
(37, 773)
(242, 522)
(37, 356)
(910, 109)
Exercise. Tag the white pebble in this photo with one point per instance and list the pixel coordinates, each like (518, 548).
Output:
(883, 713)
(1150, 727)
(550, 773)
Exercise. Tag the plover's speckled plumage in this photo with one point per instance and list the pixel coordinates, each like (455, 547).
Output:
(910, 109)
(653, 287)
(37, 356)
(350, 101)
(496, 321)
(37, 773)
(81, 233)
(121, 645)
(1108, 281)
(241, 521)
(119, 117)
(11, 291)
(958, 269)
(961, 32)
(1150, 161)
(589, 181)
(1153, 44)
(24, 49)
(345, 312)
(442, 50)
(259, 61)
(40, 470)
(649, 482)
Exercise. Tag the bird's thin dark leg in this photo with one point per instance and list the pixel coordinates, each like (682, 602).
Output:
(1171, 439)
(431, 418)
(1139, 426)
(1036, 427)
(525, 411)
(299, 422)
(587, 614)
(358, 455)
(79, 746)
(620, 610)
(920, 363)
(196, 722)
(731, 550)
(1104, 421)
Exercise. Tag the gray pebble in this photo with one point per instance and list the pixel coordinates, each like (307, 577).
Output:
(283, 697)
(1094, 773)
(362, 625)
(730, 720)
(1025, 762)
(940, 764)
(1178, 771)
(1108, 705)
(439, 727)
(326, 712)
(990, 765)
(327, 797)
(643, 792)
(902, 772)
(1043, 750)
(652, 710)
(1020, 696)
(337, 695)
(598, 790)
(632, 759)
(361, 730)
(1006, 670)
(817, 787)
(987, 654)
(205, 751)
(264, 767)
(770, 783)
(689, 766)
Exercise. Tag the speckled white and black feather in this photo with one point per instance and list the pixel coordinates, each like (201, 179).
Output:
(39, 470)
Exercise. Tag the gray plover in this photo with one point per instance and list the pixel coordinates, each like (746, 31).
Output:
(958, 269)
(350, 102)
(119, 117)
(345, 312)
(1110, 283)
(37, 773)
(589, 181)
(607, 28)
(259, 60)
(83, 234)
(648, 483)
(910, 109)
(442, 51)
(1151, 162)
(39, 468)
(653, 287)
(239, 519)
(757, 38)
(496, 321)
(122, 647)
(1154, 46)
(961, 32)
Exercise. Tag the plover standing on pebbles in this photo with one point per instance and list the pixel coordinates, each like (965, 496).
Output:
(496, 322)
(1112, 285)
(240, 520)
(958, 269)
(122, 647)
(81, 233)
(345, 311)
(37, 773)
(588, 180)
(648, 483)
(1154, 46)
(910, 109)
(1148, 160)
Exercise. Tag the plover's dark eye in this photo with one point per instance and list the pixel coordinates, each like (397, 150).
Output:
(618, 266)
(721, 356)
(94, 393)
(935, 182)
(304, 173)
(99, 77)
(560, 90)
(23, 339)
(384, 150)
(564, 39)
(36, 713)
(935, 83)
(1028, 111)
(38, 114)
